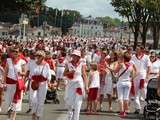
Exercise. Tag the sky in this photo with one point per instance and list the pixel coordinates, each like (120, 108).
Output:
(95, 8)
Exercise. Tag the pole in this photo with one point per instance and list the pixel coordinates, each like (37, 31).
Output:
(61, 24)
(55, 22)
(24, 31)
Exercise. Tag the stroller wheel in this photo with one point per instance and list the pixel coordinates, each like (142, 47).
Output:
(145, 114)
(157, 116)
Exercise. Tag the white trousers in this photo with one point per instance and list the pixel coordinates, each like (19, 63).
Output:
(139, 93)
(31, 92)
(9, 94)
(74, 111)
(39, 98)
(123, 90)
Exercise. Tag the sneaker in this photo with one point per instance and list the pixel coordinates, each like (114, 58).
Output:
(122, 114)
(29, 110)
(0, 109)
(137, 111)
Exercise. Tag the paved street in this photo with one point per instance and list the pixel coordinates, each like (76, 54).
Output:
(58, 112)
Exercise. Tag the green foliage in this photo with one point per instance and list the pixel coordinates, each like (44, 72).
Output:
(110, 22)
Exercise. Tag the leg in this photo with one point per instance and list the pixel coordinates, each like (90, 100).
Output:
(126, 98)
(110, 102)
(41, 95)
(70, 113)
(77, 107)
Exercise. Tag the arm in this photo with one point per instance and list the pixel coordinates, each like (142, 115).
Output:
(158, 90)
(133, 73)
(5, 73)
(84, 76)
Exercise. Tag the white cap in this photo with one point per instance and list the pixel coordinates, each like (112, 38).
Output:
(77, 53)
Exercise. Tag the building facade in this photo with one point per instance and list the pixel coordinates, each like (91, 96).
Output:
(87, 27)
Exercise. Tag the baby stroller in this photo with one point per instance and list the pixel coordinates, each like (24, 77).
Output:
(152, 109)
(52, 94)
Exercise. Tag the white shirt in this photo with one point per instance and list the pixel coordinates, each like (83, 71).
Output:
(141, 65)
(13, 69)
(30, 66)
(96, 58)
(94, 79)
(155, 67)
(43, 70)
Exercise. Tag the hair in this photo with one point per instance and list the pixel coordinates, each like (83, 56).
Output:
(127, 57)
(94, 66)
(41, 53)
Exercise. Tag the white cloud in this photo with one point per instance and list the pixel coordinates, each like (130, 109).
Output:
(85, 7)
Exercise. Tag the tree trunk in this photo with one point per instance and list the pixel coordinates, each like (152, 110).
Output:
(135, 39)
(144, 36)
(156, 35)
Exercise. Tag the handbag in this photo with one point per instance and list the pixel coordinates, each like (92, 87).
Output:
(115, 78)
(35, 83)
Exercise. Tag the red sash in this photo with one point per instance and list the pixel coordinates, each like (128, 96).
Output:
(79, 91)
(20, 86)
(39, 78)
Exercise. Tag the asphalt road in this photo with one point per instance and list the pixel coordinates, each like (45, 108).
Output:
(58, 112)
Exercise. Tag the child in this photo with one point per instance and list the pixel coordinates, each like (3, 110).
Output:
(94, 85)
(52, 91)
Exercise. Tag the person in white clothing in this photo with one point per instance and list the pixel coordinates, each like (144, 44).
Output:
(142, 64)
(75, 72)
(41, 76)
(125, 75)
(14, 73)
(94, 85)
(30, 69)
(155, 66)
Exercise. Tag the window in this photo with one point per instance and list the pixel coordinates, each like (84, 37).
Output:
(3, 33)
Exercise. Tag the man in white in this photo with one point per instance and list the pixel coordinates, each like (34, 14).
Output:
(142, 64)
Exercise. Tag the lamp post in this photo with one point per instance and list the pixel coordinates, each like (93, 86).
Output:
(25, 22)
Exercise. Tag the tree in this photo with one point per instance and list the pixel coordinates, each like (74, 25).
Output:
(136, 15)
(109, 22)
(153, 7)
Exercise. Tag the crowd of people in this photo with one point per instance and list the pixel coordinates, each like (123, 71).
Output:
(90, 68)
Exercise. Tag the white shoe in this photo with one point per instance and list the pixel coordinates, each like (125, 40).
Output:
(142, 99)
(0, 109)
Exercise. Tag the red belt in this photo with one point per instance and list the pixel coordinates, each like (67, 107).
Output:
(10, 81)
(39, 78)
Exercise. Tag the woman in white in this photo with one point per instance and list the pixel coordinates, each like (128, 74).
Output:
(41, 75)
(60, 67)
(125, 73)
(30, 68)
(108, 88)
(155, 66)
(2, 86)
(13, 77)
(75, 73)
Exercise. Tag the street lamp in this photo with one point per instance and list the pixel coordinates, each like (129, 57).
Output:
(25, 22)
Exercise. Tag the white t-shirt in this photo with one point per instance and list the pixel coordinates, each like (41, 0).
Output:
(13, 69)
(30, 66)
(141, 65)
(96, 58)
(42, 69)
(155, 67)
(94, 79)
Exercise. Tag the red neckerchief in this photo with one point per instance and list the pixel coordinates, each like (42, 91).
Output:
(139, 58)
(15, 60)
(23, 57)
(127, 65)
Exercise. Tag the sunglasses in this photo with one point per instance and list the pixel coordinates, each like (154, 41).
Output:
(15, 51)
